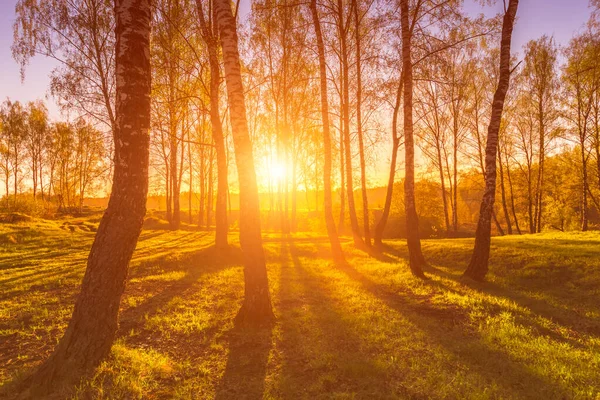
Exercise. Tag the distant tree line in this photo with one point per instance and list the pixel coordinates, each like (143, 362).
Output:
(48, 166)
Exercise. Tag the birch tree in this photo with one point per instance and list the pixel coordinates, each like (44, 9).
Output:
(256, 307)
(91, 330)
(209, 32)
(79, 35)
(478, 265)
(334, 241)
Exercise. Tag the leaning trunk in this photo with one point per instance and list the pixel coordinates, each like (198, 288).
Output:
(341, 226)
(455, 177)
(584, 191)
(540, 178)
(91, 330)
(512, 197)
(503, 194)
(443, 186)
(478, 266)
(380, 228)
(416, 259)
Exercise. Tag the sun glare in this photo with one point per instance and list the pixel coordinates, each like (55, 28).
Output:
(277, 171)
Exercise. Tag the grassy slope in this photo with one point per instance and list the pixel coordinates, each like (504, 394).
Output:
(367, 330)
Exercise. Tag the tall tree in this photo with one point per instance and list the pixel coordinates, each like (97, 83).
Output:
(479, 86)
(14, 129)
(416, 259)
(478, 266)
(358, 16)
(434, 133)
(334, 240)
(580, 86)
(80, 36)
(37, 129)
(89, 156)
(540, 84)
(5, 169)
(380, 227)
(91, 330)
(210, 37)
(343, 27)
(257, 301)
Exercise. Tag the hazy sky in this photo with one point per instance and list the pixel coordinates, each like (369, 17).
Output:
(560, 18)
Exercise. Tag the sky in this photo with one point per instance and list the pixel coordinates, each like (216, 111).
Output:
(560, 18)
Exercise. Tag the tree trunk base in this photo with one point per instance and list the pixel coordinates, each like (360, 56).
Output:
(360, 244)
(222, 247)
(476, 270)
(255, 315)
(338, 259)
(417, 272)
(416, 262)
(65, 368)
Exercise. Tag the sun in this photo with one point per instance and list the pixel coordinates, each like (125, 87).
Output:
(277, 171)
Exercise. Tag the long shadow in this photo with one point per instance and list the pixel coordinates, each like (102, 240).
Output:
(509, 369)
(322, 354)
(536, 307)
(247, 360)
(536, 243)
(464, 344)
(33, 259)
(405, 299)
(197, 263)
(566, 317)
(244, 376)
(391, 251)
(171, 244)
(42, 275)
(309, 240)
(146, 234)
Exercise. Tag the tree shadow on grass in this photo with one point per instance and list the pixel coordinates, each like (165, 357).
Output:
(247, 360)
(377, 253)
(575, 322)
(492, 365)
(567, 316)
(179, 239)
(321, 354)
(24, 283)
(32, 259)
(246, 368)
(310, 240)
(417, 313)
(195, 264)
(569, 334)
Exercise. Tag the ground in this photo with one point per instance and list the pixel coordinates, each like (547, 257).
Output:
(367, 330)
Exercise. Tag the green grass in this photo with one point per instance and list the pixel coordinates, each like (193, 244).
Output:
(364, 331)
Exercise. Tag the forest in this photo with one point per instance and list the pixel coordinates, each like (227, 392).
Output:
(282, 200)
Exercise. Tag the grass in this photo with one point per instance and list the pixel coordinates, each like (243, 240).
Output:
(367, 330)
